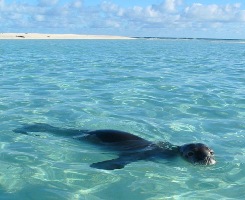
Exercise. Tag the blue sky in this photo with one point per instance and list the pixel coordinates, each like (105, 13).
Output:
(156, 18)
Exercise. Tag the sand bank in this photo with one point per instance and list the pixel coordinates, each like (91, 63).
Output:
(22, 36)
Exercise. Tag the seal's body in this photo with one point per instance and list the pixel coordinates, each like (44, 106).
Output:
(129, 147)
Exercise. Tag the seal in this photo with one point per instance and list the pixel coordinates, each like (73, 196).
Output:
(129, 148)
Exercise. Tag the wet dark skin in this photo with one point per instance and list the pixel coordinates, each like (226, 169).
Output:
(129, 148)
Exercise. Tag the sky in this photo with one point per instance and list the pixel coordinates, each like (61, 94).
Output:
(138, 18)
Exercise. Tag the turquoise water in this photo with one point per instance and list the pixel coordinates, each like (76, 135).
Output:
(179, 91)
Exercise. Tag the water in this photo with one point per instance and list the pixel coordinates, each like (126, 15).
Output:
(179, 91)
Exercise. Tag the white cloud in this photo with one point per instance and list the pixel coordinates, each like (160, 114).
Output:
(148, 14)
(39, 18)
(112, 23)
(112, 8)
(77, 4)
(74, 16)
(171, 5)
(48, 2)
(1, 4)
(227, 13)
(241, 15)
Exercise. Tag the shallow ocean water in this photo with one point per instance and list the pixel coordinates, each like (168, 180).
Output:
(179, 91)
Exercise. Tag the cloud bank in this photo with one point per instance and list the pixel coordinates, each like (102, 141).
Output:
(169, 18)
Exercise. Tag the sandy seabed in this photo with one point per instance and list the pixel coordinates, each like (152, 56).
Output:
(59, 36)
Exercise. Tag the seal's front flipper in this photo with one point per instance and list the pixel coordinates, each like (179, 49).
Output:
(117, 163)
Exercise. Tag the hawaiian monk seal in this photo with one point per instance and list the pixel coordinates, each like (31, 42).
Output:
(129, 147)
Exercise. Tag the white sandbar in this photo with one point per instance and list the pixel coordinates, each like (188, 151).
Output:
(60, 36)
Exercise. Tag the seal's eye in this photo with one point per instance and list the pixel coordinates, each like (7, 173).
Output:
(211, 152)
(190, 153)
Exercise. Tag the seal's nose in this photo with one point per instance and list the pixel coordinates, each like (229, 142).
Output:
(212, 161)
(205, 155)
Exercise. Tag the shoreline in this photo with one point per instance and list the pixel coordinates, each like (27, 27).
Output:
(40, 36)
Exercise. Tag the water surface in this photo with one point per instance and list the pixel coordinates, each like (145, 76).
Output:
(179, 91)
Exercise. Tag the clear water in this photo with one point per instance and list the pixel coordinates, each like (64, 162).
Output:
(170, 90)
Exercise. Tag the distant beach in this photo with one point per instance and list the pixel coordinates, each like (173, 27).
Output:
(59, 36)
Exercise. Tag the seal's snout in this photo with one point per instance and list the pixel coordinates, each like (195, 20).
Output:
(211, 161)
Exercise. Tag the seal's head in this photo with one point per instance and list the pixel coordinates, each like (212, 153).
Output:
(197, 153)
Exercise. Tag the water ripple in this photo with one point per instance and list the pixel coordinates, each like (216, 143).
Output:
(179, 91)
